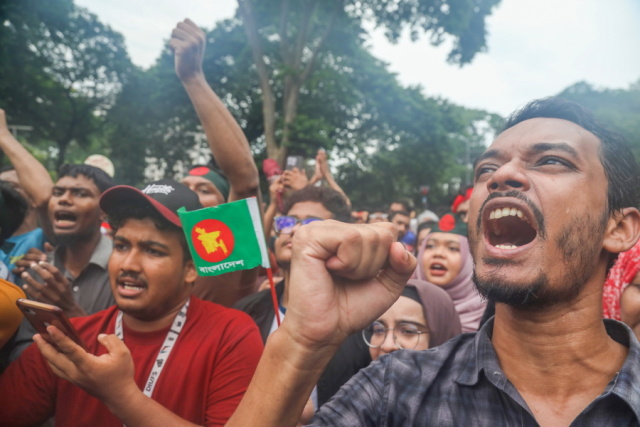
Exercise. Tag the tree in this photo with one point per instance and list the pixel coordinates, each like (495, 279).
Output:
(289, 40)
(617, 108)
(60, 69)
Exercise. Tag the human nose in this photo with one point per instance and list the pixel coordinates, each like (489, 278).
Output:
(130, 261)
(509, 176)
(65, 198)
(389, 344)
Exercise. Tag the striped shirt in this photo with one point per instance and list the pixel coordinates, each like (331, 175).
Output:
(460, 383)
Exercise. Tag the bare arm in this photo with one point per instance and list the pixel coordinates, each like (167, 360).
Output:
(276, 188)
(33, 176)
(338, 286)
(228, 143)
(323, 166)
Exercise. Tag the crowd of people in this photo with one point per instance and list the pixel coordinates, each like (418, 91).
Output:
(508, 306)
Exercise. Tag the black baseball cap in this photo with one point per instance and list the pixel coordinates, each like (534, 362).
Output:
(166, 196)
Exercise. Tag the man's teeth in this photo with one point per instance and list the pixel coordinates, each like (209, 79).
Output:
(131, 287)
(506, 246)
(503, 212)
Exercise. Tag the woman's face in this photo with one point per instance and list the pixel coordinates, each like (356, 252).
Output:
(630, 305)
(405, 317)
(441, 259)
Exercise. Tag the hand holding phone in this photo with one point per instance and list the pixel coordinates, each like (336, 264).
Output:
(41, 315)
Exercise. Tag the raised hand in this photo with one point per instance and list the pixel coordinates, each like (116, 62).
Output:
(343, 276)
(188, 42)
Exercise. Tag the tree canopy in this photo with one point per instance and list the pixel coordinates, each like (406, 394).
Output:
(60, 69)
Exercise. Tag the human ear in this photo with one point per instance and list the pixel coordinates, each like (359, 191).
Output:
(190, 274)
(622, 230)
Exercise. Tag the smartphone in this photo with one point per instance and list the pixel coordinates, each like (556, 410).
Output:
(295, 162)
(41, 315)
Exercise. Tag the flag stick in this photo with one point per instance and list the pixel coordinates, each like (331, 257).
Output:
(274, 297)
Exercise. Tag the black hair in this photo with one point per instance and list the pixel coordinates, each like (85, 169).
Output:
(120, 214)
(333, 201)
(620, 165)
(396, 213)
(407, 206)
(99, 177)
(13, 210)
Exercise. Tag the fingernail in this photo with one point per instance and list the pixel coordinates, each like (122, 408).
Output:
(25, 274)
(33, 265)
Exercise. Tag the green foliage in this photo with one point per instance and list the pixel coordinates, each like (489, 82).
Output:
(617, 108)
(60, 69)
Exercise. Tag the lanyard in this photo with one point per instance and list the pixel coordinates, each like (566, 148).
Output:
(165, 350)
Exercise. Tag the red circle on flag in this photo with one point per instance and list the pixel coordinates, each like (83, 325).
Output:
(212, 240)
(447, 223)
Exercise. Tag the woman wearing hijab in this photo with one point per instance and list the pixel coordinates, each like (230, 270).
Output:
(444, 260)
(621, 295)
(423, 317)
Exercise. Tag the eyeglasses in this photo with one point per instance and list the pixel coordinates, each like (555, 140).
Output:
(405, 335)
(284, 224)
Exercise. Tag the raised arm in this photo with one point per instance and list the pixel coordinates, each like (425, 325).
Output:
(323, 172)
(33, 176)
(228, 143)
(342, 277)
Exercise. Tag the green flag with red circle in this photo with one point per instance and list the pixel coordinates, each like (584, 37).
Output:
(225, 238)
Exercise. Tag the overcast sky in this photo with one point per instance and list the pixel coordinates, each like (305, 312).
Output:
(536, 48)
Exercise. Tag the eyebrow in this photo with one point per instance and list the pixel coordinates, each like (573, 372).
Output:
(540, 147)
(144, 243)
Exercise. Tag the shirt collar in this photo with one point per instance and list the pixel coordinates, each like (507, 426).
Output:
(483, 358)
(625, 385)
(99, 257)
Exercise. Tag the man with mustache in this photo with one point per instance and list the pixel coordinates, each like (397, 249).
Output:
(176, 359)
(554, 202)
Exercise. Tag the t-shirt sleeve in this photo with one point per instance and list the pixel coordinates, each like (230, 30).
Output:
(236, 363)
(28, 389)
(359, 402)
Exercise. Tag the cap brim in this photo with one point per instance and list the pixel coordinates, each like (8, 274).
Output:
(123, 194)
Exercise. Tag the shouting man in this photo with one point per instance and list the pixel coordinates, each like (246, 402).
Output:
(554, 202)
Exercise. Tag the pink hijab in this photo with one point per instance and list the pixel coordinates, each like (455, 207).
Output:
(468, 303)
(621, 275)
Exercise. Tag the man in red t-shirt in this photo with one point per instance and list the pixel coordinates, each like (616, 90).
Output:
(160, 356)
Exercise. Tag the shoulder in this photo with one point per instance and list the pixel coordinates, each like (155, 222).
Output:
(257, 300)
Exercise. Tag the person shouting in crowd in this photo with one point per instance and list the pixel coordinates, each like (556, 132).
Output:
(423, 317)
(161, 356)
(444, 260)
(547, 357)
(238, 177)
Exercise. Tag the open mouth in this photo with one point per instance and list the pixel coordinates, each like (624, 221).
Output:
(64, 218)
(509, 228)
(437, 269)
(131, 287)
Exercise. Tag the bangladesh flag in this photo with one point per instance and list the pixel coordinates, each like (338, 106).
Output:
(225, 238)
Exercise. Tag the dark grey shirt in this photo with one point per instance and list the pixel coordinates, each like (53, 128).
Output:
(91, 290)
(460, 383)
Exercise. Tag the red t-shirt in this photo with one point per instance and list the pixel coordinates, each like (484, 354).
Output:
(203, 381)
